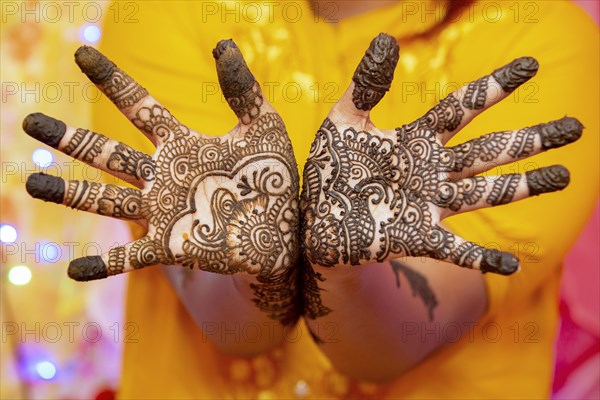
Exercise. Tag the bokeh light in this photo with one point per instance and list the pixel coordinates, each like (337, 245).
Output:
(91, 33)
(8, 233)
(42, 158)
(45, 369)
(19, 275)
(49, 252)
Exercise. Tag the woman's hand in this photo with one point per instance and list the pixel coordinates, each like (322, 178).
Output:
(223, 204)
(373, 195)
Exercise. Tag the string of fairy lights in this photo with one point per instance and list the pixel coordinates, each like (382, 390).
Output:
(19, 274)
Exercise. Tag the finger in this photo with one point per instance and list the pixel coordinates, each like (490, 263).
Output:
(110, 200)
(488, 151)
(141, 253)
(446, 246)
(92, 148)
(372, 78)
(455, 111)
(241, 90)
(480, 191)
(155, 121)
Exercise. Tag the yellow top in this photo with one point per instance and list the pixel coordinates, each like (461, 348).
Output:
(304, 64)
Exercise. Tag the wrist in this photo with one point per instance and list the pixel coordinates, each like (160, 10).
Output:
(242, 283)
(343, 274)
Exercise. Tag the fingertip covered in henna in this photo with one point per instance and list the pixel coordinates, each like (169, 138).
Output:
(515, 73)
(239, 86)
(375, 72)
(499, 262)
(561, 132)
(87, 269)
(234, 76)
(44, 128)
(94, 64)
(222, 46)
(46, 187)
(547, 179)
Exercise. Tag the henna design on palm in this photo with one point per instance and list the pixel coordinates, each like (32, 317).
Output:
(371, 196)
(221, 204)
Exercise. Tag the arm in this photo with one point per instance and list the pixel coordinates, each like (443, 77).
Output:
(376, 196)
(382, 313)
(223, 307)
(225, 205)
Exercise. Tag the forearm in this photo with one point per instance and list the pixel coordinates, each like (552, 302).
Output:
(223, 307)
(379, 324)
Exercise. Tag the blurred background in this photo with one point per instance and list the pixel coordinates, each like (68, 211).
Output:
(63, 339)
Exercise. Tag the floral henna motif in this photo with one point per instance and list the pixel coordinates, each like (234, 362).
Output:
(221, 204)
(158, 121)
(453, 196)
(131, 162)
(239, 197)
(120, 202)
(373, 202)
(369, 196)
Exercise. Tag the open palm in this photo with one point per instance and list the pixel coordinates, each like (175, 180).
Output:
(373, 195)
(223, 204)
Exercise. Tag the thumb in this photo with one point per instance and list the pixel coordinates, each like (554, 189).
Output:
(240, 88)
(373, 76)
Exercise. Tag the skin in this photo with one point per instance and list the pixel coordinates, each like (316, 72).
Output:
(371, 196)
(227, 208)
(221, 205)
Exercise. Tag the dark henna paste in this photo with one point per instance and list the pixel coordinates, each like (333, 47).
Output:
(523, 144)
(547, 179)
(476, 94)
(87, 269)
(45, 129)
(238, 193)
(418, 284)
(483, 149)
(561, 132)
(46, 187)
(454, 195)
(119, 87)
(312, 306)
(94, 64)
(499, 262)
(447, 115)
(373, 76)
(369, 198)
(239, 87)
(85, 145)
(116, 260)
(131, 162)
(503, 189)
(516, 73)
